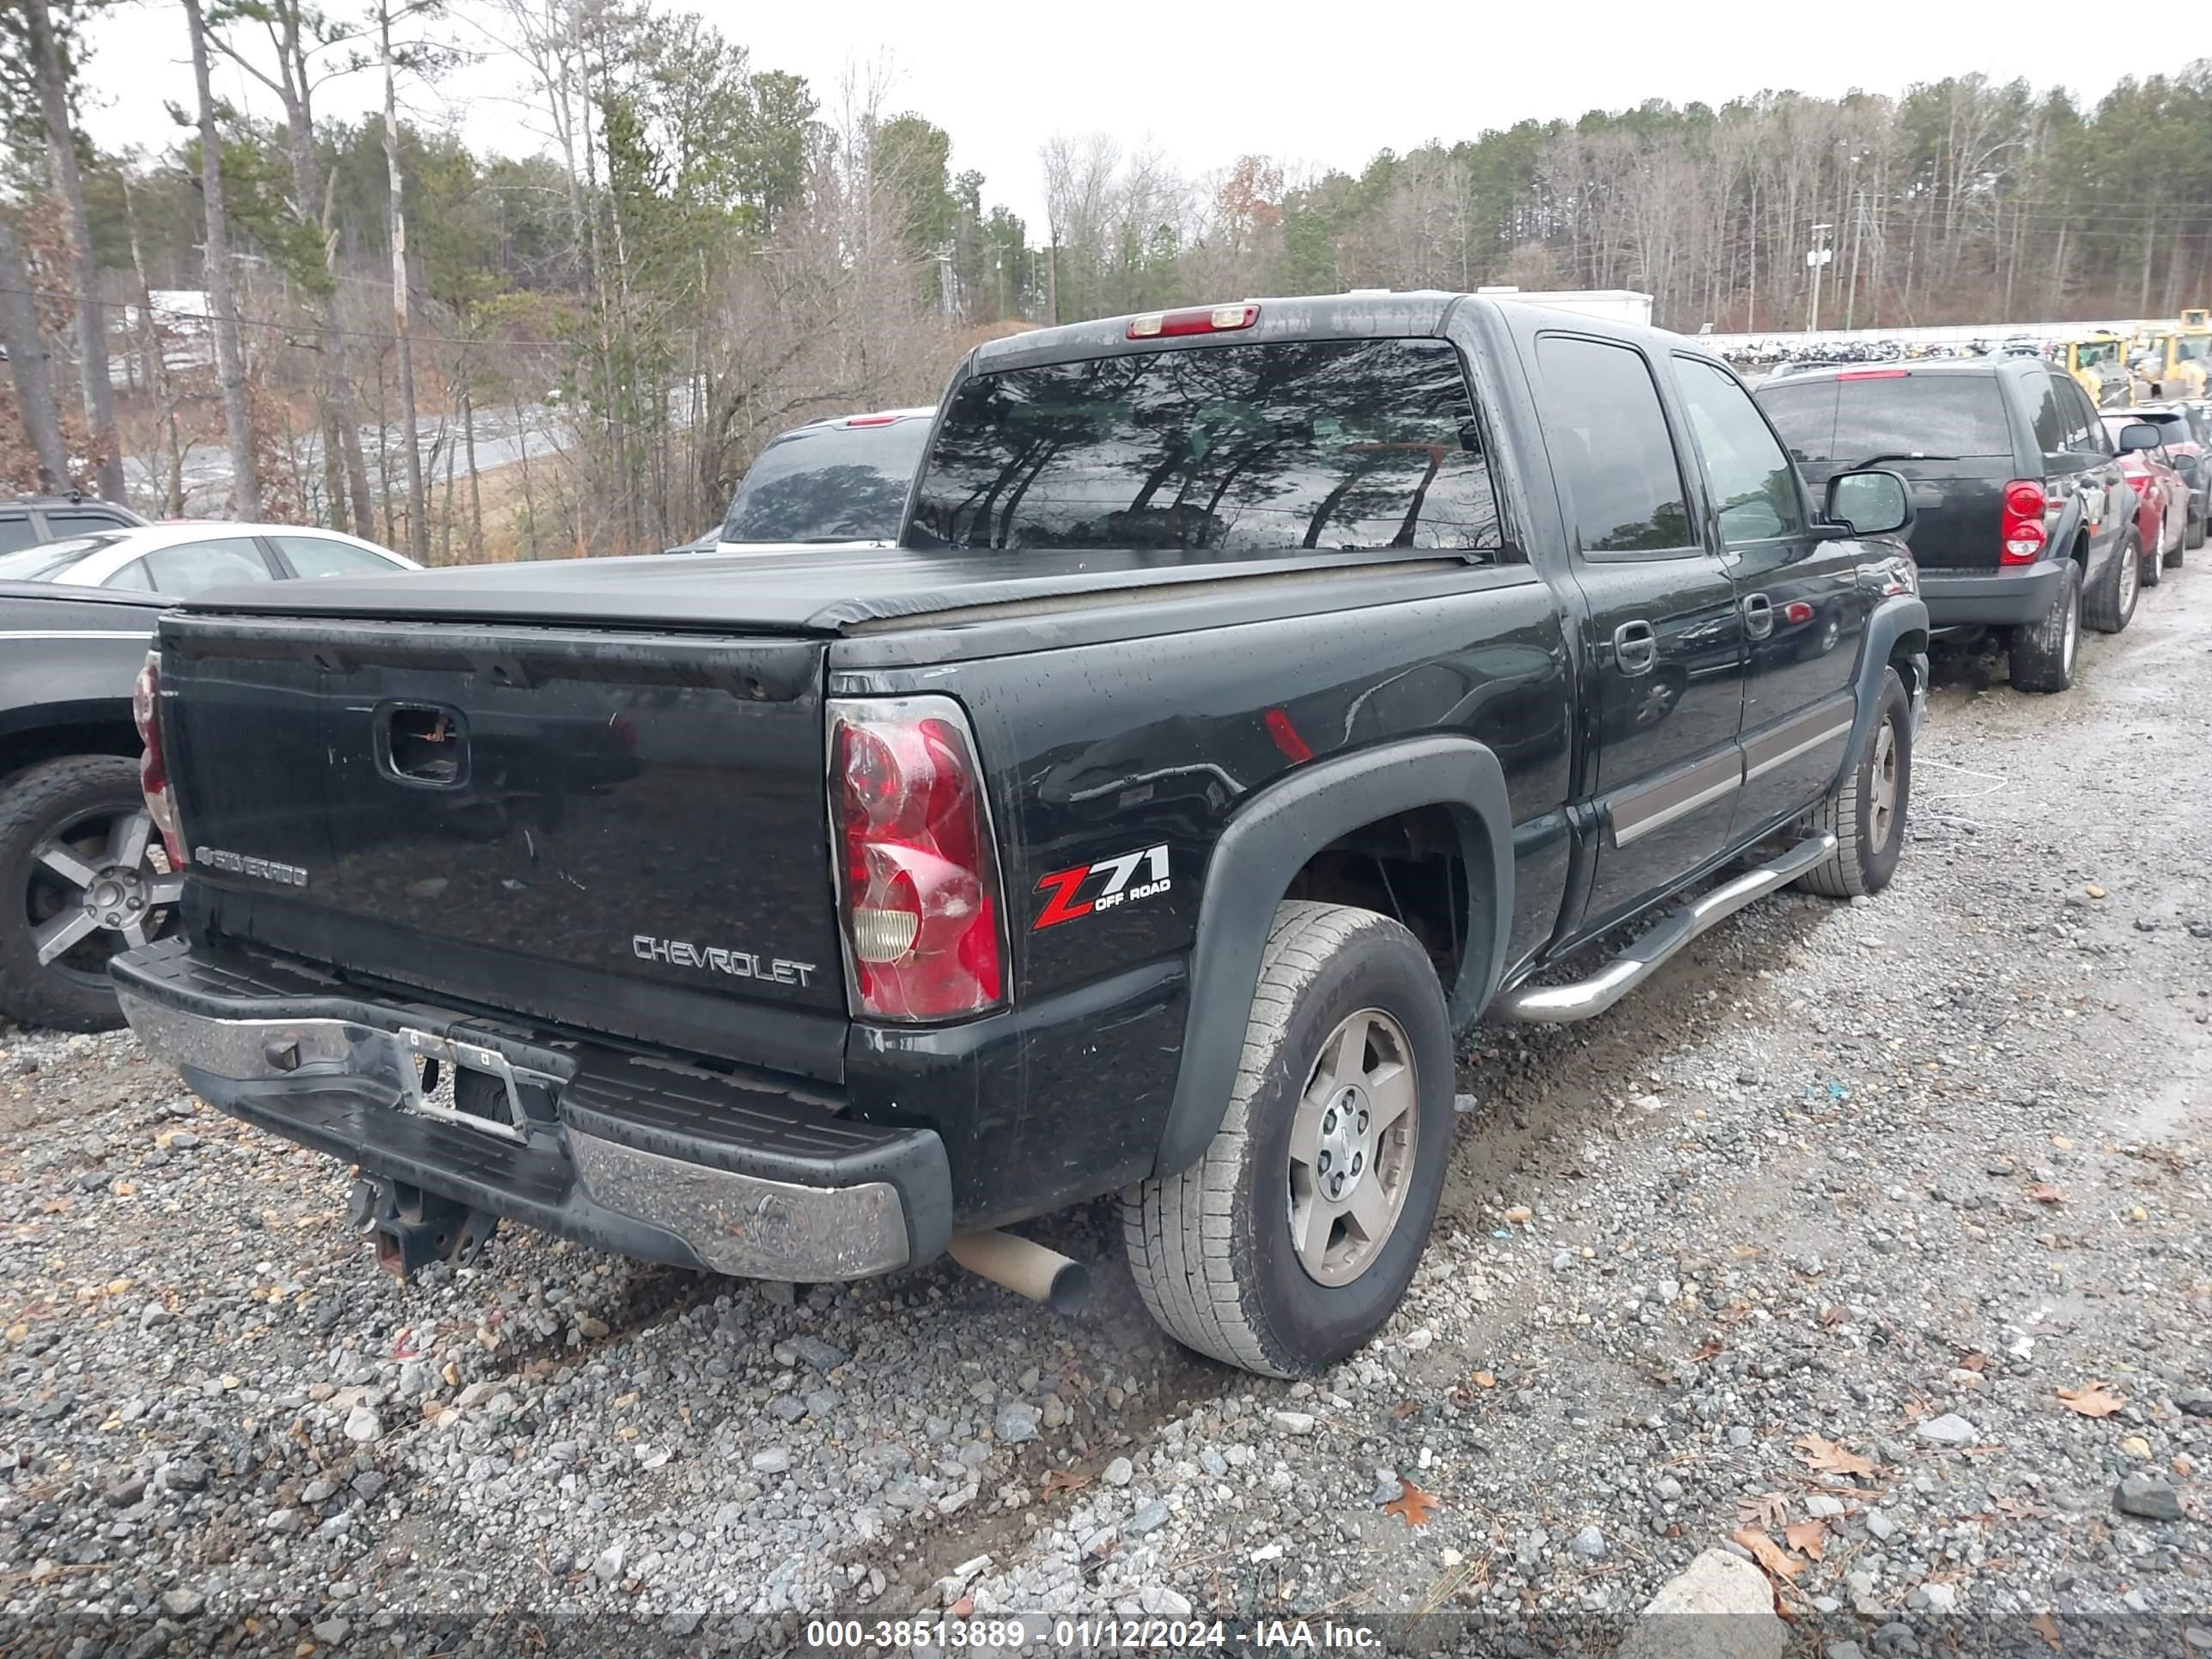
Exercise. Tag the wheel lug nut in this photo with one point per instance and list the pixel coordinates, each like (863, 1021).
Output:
(1363, 1123)
(1328, 1124)
(1357, 1160)
(1324, 1164)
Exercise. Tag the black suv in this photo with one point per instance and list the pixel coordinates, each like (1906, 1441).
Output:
(2024, 523)
(28, 520)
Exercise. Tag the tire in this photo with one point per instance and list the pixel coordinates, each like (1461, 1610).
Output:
(2044, 653)
(1212, 1247)
(2111, 605)
(64, 824)
(1866, 811)
(2191, 537)
(2149, 569)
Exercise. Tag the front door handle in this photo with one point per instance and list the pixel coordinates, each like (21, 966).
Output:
(1758, 616)
(1635, 646)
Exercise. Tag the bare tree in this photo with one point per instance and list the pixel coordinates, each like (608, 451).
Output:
(27, 364)
(418, 514)
(222, 302)
(91, 316)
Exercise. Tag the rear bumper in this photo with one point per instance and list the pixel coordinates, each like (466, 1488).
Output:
(651, 1159)
(2010, 597)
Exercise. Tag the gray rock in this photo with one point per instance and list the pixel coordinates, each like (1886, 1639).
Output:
(124, 1491)
(1879, 1523)
(319, 1491)
(1149, 1517)
(776, 1460)
(1719, 1607)
(361, 1425)
(368, 1483)
(331, 1632)
(823, 1356)
(787, 1408)
(608, 1568)
(1164, 1603)
(1948, 1429)
(1822, 1507)
(1940, 1597)
(1015, 1423)
(187, 1474)
(2195, 1402)
(1588, 1543)
(1295, 1422)
(182, 1602)
(2148, 1497)
(1119, 1472)
(1670, 1490)
(681, 1623)
(1740, 1436)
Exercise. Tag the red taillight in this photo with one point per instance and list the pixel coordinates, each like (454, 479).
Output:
(1797, 610)
(1874, 375)
(918, 878)
(1197, 319)
(2023, 536)
(870, 420)
(152, 763)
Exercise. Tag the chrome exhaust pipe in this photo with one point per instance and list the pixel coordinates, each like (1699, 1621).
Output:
(1024, 1267)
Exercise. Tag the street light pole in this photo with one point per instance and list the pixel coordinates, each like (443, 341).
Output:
(1818, 256)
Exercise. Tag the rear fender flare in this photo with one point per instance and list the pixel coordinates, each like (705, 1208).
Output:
(1262, 850)
(1899, 627)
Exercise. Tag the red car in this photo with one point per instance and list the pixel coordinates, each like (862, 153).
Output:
(2161, 495)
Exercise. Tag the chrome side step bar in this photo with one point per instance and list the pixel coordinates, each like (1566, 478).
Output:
(1559, 1004)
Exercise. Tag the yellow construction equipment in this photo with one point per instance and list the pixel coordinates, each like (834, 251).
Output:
(2172, 361)
(2097, 362)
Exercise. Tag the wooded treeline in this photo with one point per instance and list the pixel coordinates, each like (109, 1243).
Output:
(592, 343)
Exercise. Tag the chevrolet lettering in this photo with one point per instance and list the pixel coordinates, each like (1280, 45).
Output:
(739, 964)
(1257, 696)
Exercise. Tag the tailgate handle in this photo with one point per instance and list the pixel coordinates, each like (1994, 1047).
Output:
(423, 744)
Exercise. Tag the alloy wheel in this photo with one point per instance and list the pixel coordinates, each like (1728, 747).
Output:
(1353, 1145)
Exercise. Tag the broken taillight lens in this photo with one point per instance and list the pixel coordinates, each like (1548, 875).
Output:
(918, 879)
(152, 762)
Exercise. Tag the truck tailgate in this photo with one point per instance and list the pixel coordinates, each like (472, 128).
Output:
(609, 813)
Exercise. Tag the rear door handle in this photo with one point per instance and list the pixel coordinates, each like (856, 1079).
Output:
(1758, 616)
(1635, 646)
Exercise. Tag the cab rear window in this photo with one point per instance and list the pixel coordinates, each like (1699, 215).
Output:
(1279, 446)
(1858, 421)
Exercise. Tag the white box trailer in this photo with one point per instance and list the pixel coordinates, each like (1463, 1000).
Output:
(1618, 305)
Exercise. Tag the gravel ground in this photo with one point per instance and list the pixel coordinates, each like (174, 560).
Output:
(1800, 1247)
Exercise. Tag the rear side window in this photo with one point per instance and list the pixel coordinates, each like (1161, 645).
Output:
(76, 521)
(2050, 420)
(829, 483)
(2085, 433)
(18, 533)
(1859, 421)
(1611, 448)
(313, 558)
(1241, 448)
(191, 567)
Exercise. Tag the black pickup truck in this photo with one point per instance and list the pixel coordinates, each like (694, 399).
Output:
(1259, 693)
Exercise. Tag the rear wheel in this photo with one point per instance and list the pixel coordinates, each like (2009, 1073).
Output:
(2042, 652)
(1289, 1242)
(2193, 535)
(2111, 604)
(1866, 811)
(82, 877)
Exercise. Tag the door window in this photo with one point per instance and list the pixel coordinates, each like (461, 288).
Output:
(1754, 486)
(314, 557)
(1611, 448)
(2050, 419)
(190, 567)
(2085, 434)
(133, 576)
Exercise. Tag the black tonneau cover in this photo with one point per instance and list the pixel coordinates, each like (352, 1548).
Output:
(806, 592)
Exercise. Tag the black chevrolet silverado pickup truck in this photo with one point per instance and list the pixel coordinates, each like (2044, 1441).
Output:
(1258, 693)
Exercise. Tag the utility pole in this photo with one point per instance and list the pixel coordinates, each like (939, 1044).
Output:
(1858, 233)
(1817, 256)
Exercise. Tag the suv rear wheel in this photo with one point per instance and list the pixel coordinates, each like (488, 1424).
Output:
(2042, 652)
(81, 879)
(1866, 811)
(1289, 1242)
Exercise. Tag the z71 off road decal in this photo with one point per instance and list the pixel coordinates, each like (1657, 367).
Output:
(1108, 882)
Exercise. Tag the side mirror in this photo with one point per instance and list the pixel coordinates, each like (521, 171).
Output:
(2138, 435)
(1874, 502)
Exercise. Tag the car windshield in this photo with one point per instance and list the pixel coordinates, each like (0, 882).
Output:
(831, 483)
(1297, 444)
(1852, 420)
(52, 561)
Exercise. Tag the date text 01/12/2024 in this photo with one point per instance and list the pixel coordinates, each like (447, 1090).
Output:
(1104, 1635)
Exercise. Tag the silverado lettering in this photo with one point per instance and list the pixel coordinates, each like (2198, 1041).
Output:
(244, 864)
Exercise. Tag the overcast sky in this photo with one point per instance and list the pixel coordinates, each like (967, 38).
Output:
(1326, 86)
